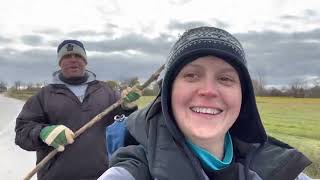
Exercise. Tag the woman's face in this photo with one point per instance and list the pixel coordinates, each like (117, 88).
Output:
(206, 98)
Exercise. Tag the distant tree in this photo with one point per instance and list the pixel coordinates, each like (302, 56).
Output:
(17, 85)
(30, 86)
(297, 88)
(134, 81)
(3, 86)
(259, 87)
(275, 92)
(259, 84)
(316, 82)
(44, 83)
(153, 90)
(255, 85)
(38, 85)
(314, 92)
(129, 82)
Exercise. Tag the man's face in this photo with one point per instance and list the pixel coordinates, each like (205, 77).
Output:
(72, 65)
(206, 99)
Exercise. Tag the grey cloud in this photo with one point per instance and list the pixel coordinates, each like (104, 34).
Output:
(28, 66)
(111, 26)
(282, 57)
(38, 66)
(80, 34)
(159, 45)
(51, 31)
(220, 24)
(113, 8)
(117, 67)
(5, 40)
(290, 17)
(33, 40)
(109, 30)
(182, 26)
(310, 13)
(307, 16)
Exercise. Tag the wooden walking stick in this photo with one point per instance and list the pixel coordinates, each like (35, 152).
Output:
(97, 118)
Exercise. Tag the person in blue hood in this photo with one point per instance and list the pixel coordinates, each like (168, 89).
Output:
(204, 124)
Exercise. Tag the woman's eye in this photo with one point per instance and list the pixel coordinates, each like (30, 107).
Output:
(226, 79)
(191, 76)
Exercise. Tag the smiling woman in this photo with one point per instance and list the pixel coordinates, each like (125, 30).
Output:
(205, 123)
(207, 109)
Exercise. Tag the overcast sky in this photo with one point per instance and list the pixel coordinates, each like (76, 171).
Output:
(125, 38)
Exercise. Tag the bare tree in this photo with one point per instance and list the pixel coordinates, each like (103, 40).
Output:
(17, 85)
(3, 86)
(298, 88)
(316, 82)
(261, 83)
(30, 86)
(314, 92)
(129, 82)
(38, 85)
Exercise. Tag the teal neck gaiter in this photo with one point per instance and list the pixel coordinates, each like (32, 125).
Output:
(209, 160)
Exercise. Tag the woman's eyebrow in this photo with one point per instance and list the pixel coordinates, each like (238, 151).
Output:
(194, 65)
(228, 69)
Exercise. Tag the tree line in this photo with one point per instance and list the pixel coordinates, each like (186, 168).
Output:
(114, 84)
(298, 88)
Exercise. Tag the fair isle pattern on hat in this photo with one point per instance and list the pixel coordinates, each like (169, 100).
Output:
(206, 36)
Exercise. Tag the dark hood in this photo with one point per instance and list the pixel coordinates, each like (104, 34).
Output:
(206, 41)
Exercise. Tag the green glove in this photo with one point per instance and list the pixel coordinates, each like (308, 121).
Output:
(57, 136)
(132, 94)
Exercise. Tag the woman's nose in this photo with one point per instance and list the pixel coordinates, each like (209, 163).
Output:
(208, 89)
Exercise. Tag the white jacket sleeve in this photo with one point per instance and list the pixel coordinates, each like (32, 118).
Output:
(303, 176)
(116, 173)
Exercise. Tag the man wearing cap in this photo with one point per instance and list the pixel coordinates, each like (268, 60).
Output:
(49, 119)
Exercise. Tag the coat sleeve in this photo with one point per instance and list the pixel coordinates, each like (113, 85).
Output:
(129, 162)
(116, 173)
(29, 123)
(303, 176)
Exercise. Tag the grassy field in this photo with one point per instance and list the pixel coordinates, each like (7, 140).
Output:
(295, 121)
(22, 95)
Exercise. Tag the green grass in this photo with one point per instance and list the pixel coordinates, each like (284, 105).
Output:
(295, 121)
(144, 100)
(21, 94)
